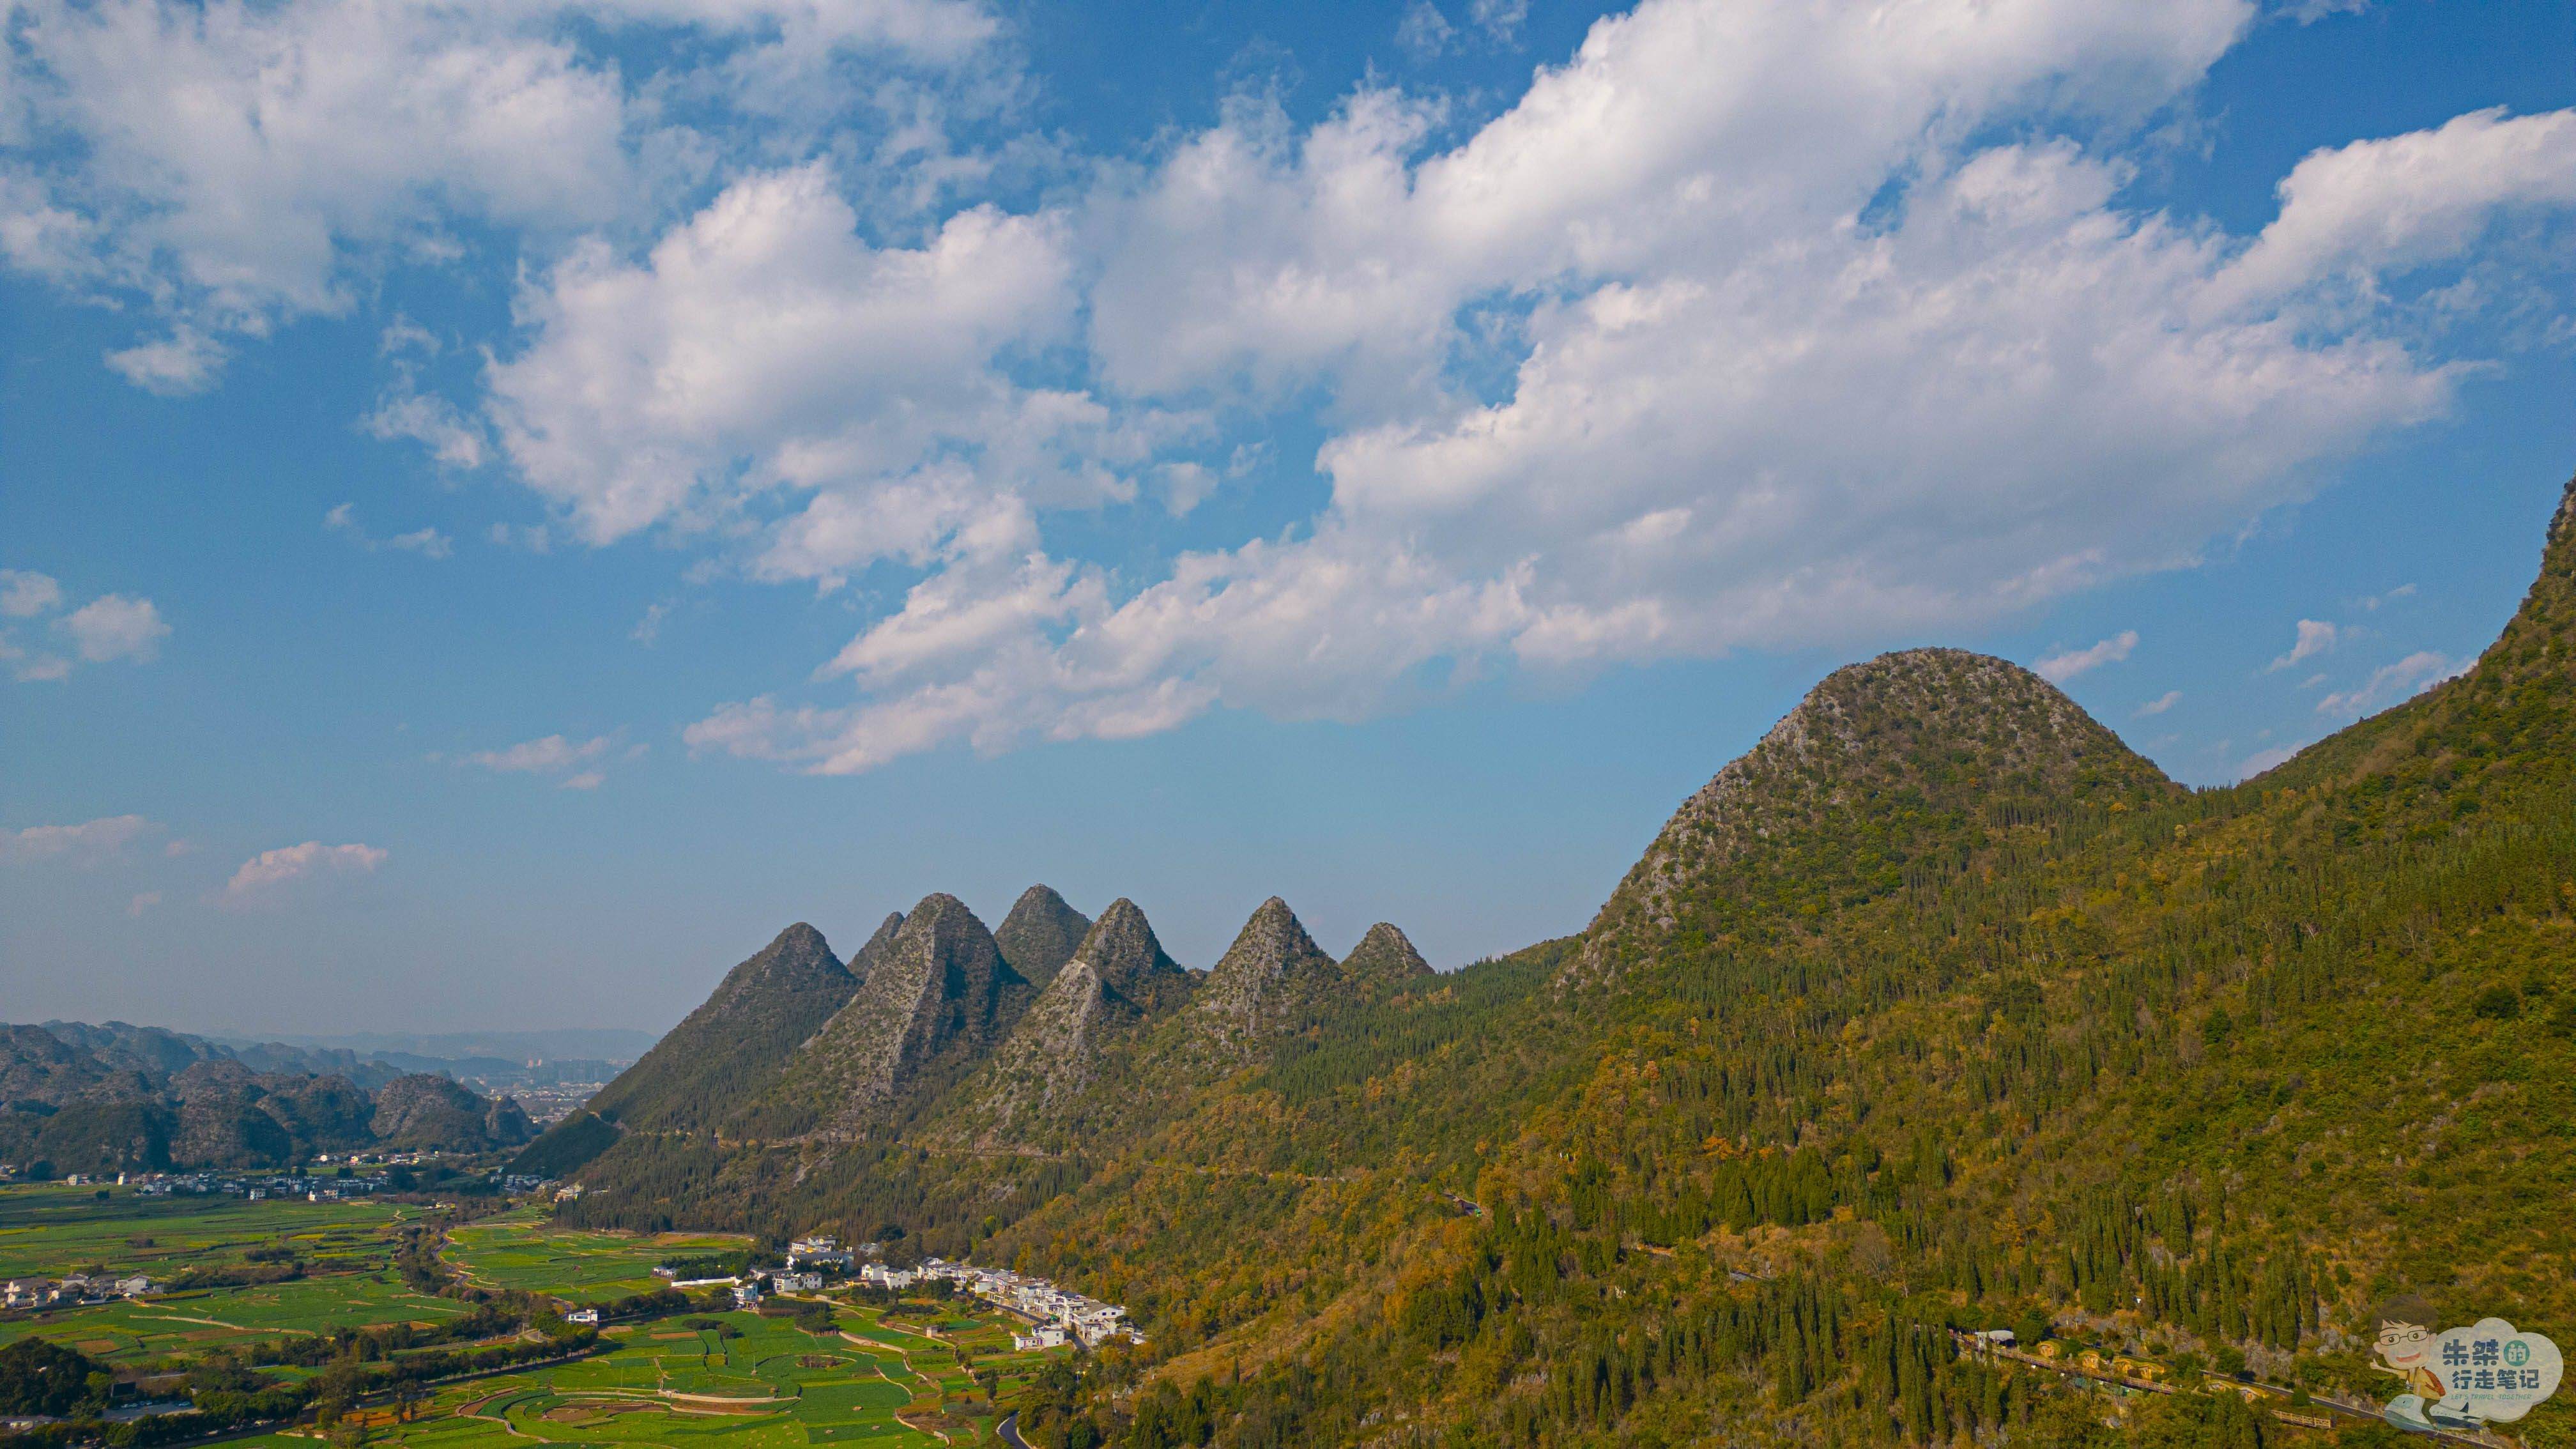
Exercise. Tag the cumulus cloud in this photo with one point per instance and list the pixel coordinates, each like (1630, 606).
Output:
(1797, 352)
(109, 627)
(233, 164)
(23, 595)
(265, 875)
(2316, 636)
(764, 349)
(91, 842)
(2159, 704)
(2059, 668)
(2387, 205)
(113, 626)
(2392, 683)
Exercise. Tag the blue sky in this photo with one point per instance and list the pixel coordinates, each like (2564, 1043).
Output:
(505, 506)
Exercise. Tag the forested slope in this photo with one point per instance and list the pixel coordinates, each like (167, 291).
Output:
(1941, 1008)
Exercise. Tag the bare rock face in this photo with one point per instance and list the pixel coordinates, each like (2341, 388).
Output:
(1040, 934)
(939, 999)
(1117, 982)
(865, 959)
(731, 1047)
(1271, 976)
(1384, 954)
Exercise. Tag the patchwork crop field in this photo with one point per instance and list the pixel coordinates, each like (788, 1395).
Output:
(518, 1250)
(872, 1377)
(749, 1383)
(47, 1230)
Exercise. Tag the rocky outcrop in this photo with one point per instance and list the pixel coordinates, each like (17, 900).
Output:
(1118, 980)
(936, 1003)
(865, 959)
(1272, 976)
(1384, 955)
(1040, 934)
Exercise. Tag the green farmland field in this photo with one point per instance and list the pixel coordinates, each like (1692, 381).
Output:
(517, 1250)
(774, 1386)
(753, 1382)
(48, 1230)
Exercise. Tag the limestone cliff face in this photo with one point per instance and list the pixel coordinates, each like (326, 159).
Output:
(1118, 981)
(1040, 934)
(937, 1000)
(1384, 954)
(1270, 977)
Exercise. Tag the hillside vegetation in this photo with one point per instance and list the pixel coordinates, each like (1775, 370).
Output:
(1940, 1008)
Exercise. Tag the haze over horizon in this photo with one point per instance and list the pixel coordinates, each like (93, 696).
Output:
(504, 508)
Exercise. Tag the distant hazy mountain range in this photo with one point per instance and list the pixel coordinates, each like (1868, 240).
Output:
(568, 1044)
(115, 1097)
(1939, 1008)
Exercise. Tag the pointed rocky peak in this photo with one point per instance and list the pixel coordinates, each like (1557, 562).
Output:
(1272, 966)
(939, 997)
(1122, 949)
(1040, 934)
(1384, 954)
(1916, 750)
(866, 957)
(797, 960)
(735, 1041)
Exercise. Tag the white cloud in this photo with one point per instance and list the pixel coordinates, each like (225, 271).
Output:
(764, 348)
(88, 843)
(2391, 683)
(24, 595)
(2159, 704)
(264, 874)
(113, 626)
(2059, 668)
(143, 901)
(1745, 327)
(184, 362)
(427, 542)
(2388, 205)
(2316, 636)
(576, 762)
(233, 164)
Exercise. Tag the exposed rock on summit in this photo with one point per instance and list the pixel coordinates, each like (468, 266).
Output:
(938, 999)
(1040, 934)
(1384, 954)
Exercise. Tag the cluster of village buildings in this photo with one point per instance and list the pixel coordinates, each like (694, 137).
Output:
(1055, 1315)
(71, 1289)
(293, 1183)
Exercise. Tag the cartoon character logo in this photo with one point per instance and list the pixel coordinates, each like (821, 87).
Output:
(2461, 1378)
(2405, 1348)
